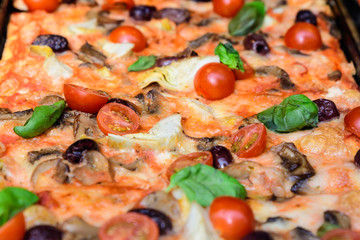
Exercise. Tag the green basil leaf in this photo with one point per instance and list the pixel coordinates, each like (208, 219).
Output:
(42, 119)
(202, 183)
(326, 227)
(249, 19)
(229, 56)
(143, 63)
(293, 113)
(13, 200)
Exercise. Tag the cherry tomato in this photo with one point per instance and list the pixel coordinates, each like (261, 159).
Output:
(118, 4)
(128, 34)
(303, 36)
(117, 119)
(352, 121)
(46, 5)
(13, 229)
(131, 225)
(341, 234)
(84, 99)
(249, 141)
(232, 217)
(214, 81)
(227, 8)
(248, 73)
(189, 160)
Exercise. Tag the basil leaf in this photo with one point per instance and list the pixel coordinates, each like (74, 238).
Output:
(229, 56)
(202, 183)
(42, 119)
(143, 63)
(13, 200)
(326, 227)
(249, 19)
(293, 113)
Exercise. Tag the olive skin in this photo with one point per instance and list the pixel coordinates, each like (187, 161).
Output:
(357, 159)
(56, 42)
(177, 15)
(257, 43)
(74, 152)
(327, 109)
(126, 103)
(221, 157)
(142, 12)
(162, 220)
(258, 235)
(43, 232)
(306, 16)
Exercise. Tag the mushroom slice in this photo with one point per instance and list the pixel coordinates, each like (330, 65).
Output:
(337, 218)
(50, 100)
(281, 74)
(299, 233)
(43, 154)
(77, 228)
(85, 124)
(96, 170)
(241, 170)
(60, 170)
(7, 114)
(88, 53)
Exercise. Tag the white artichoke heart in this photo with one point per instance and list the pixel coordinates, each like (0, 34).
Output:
(164, 135)
(117, 49)
(178, 76)
(85, 27)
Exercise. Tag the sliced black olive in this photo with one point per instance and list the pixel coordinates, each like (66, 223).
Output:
(357, 159)
(337, 218)
(221, 156)
(257, 43)
(126, 103)
(164, 61)
(177, 15)
(55, 42)
(43, 232)
(306, 16)
(142, 12)
(258, 235)
(162, 220)
(335, 75)
(327, 109)
(74, 153)
(299, 233)
(68, 1)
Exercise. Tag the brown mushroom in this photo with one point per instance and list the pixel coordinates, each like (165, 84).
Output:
(88, 53)
(7, 114)
(86, 124)
(76, 228)
(281, 74)
(60, 174)
(43, 154)
(50, 100)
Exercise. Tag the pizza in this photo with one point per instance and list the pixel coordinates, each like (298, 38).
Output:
(177, 119)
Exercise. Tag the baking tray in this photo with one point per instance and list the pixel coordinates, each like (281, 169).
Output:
(346, 14)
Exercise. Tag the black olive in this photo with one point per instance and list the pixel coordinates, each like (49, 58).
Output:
(142, 12)
(163, 221)
(221, 156)
(177, 15)
(56, 42)
(257, 43)
(74, 152)
(327, 109)
(306, 16)
(124, 102)
(68, 1)
(258, 235)
(43, 232)
(357, 159)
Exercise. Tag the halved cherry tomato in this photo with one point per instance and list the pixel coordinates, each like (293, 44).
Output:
(249, 141)
(227, 8)
(13, 229)
(127, 226)
(128, 34)
(214, 81)
(248, 73)
(303, 36)
(189, 160)
(84, 99)
(46, 5)
(341, 234)
(352, 121)
(117, 119)
(118, 4)
(232, 217)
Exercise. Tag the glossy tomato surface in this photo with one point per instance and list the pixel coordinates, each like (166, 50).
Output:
(117, 119)
(352, 121)
(248, 73)
(249, 141)
(303, 36)
(190, 160)
(227, 8)
(232, 217)
(13, 229)
(214, 81)
(118, 4)
(84, 99)
(134, 226)
(341, 234)
(46, 5)
(128, 34)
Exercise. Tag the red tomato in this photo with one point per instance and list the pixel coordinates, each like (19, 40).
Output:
(352, 121)
(127, 226)
(117, 119)
(189, 160)
(227, 8)
(13, 229)
(303, 36)
(232, 217)
(341, 234)
(118, 4)
(248, 73)
(46, 5)
(128, 34)
(84, 99)
(249, 141)
(214, 81)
